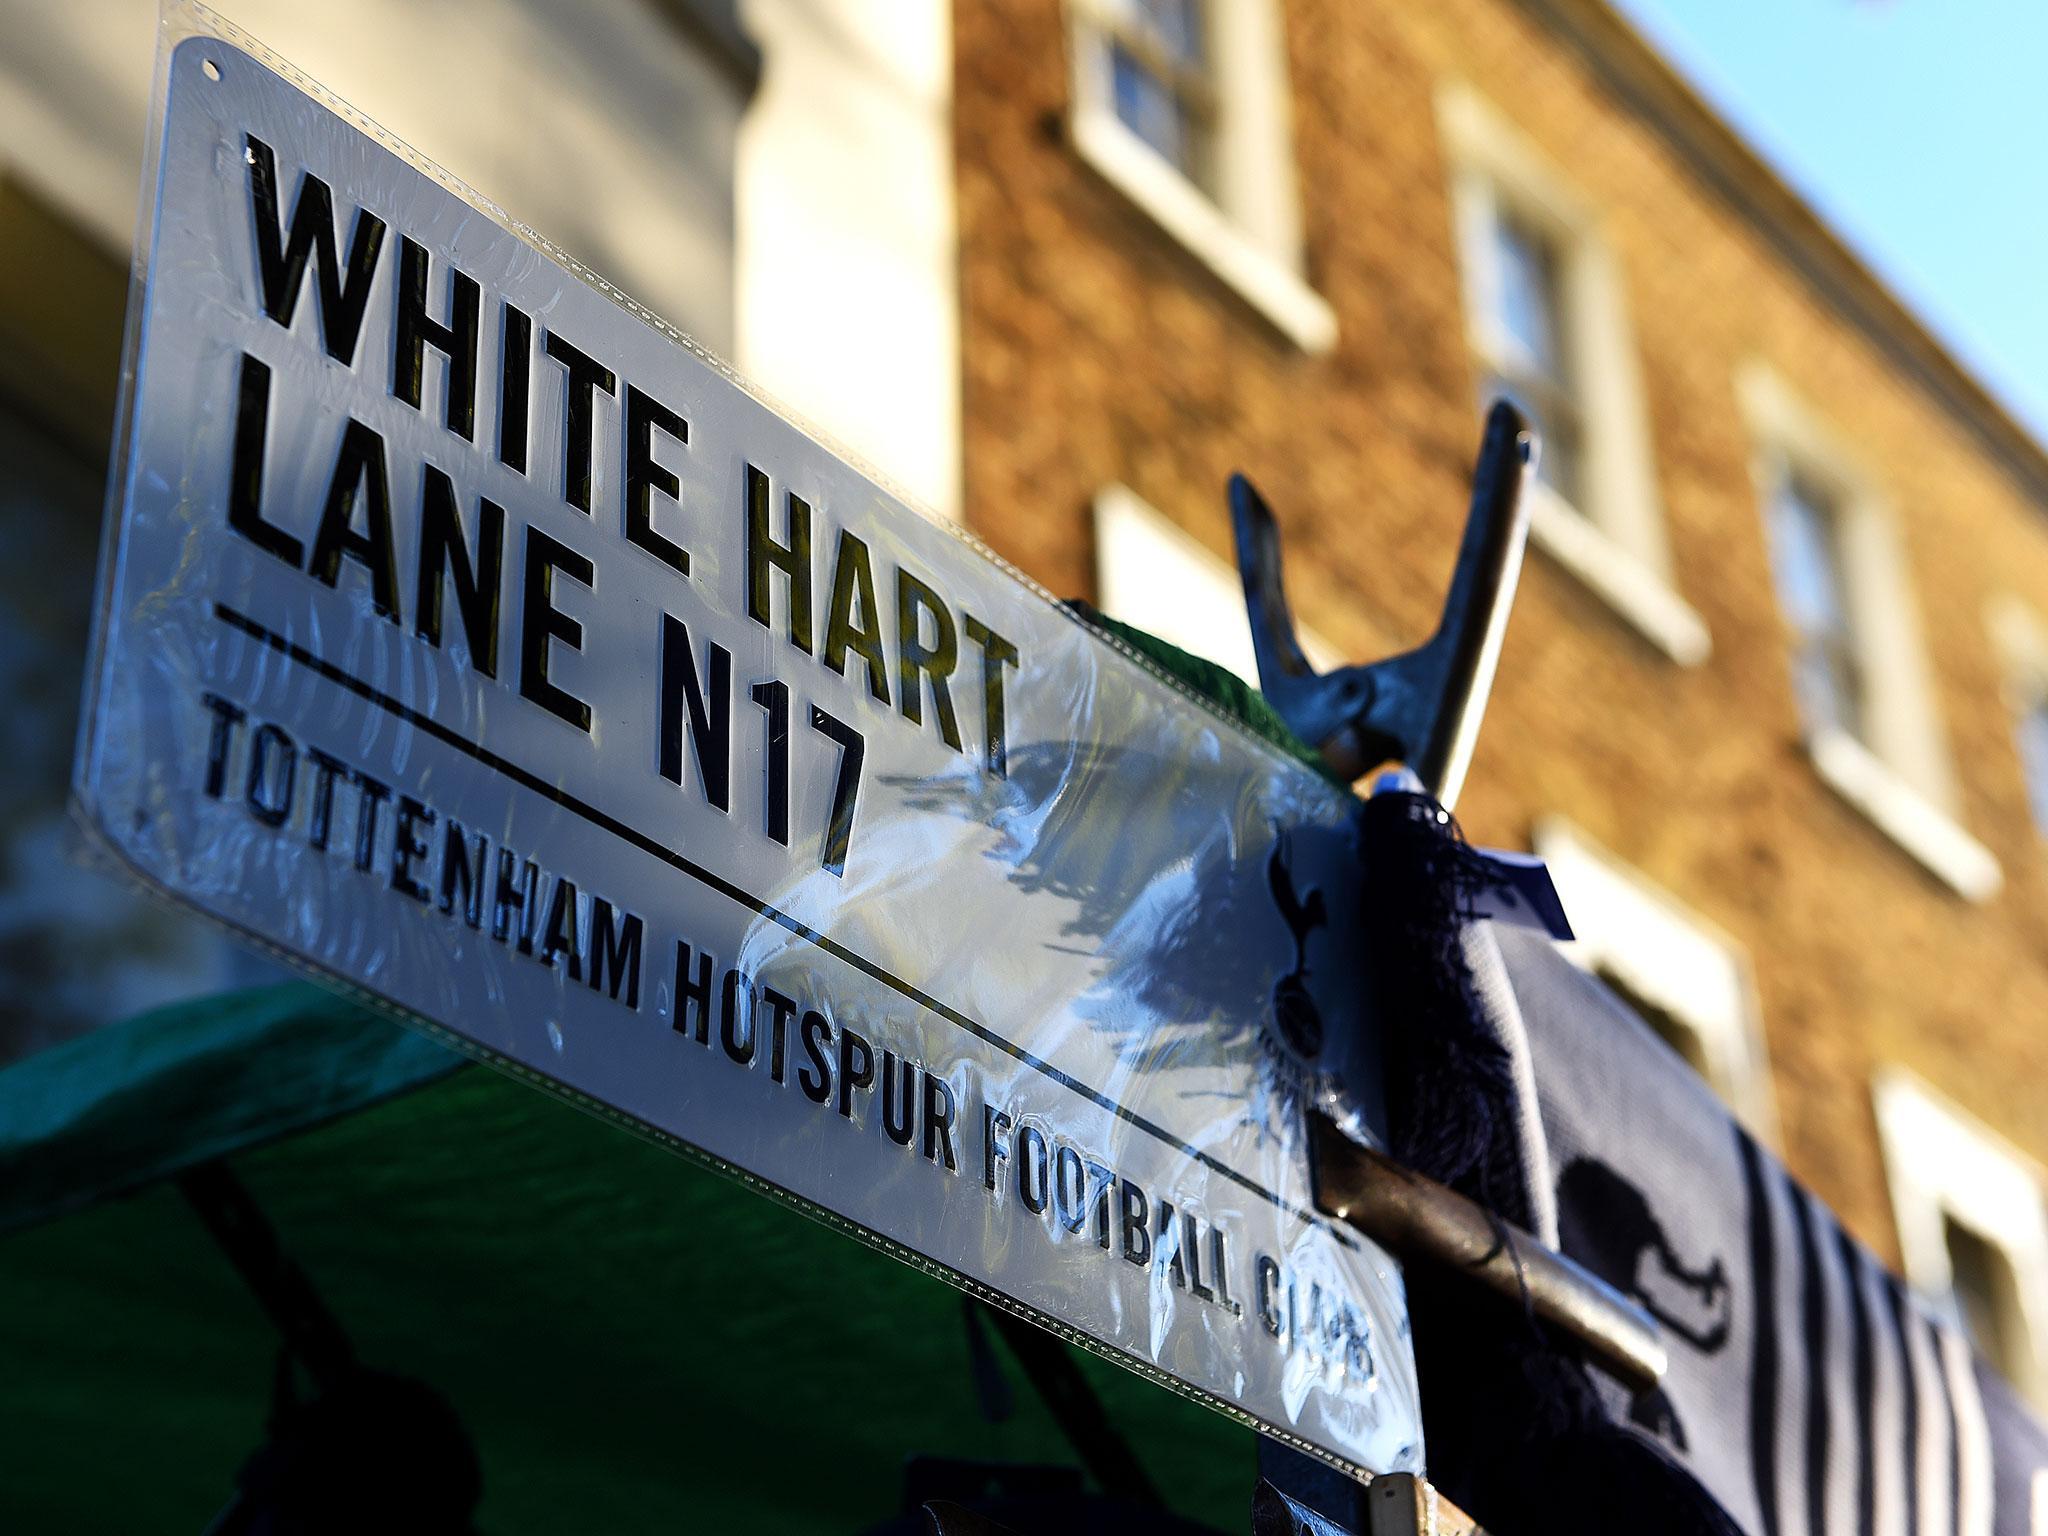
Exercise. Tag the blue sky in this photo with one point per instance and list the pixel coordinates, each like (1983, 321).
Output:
(1919, 128)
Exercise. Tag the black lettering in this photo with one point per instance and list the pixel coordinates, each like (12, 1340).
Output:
(1357, 1345)
(408, 845)
(1219, 1266)
(853, 584)
(814, 1075)
(540, 622)
(1265, 1277)
(515, 383)
(765, 557)
(710, 713)
(1167, 1246)
(584, 376)
(845, 789)
(693, 988)
(736, 1008)
(615, 952)
(996, 653)
(1034, 1169)
(1191, 1248)
(226, 716)
(445, 556)
(774, 698)
(281, 260)
(856, 1068)
(780, 1011)
(993, 1123)
(644, 477)
(320, 823)
(417, 329)
(518, 890)
(899, 1098)
(270, 794)
(563, 931)
(1103, 1191)
(1133, 1209)
(939, 1113)
(1070, 1188)
(245, 476)
(918, 659)
(359, 476)
(370, 793)
(458, 868)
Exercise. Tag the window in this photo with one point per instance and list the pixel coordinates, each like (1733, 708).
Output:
(1527, 361)
(2032, 727)
(1547, 327)
(1151, 575)
(1987, 1296)
(1683, 1035)
(1859, 674)
(1687, 981)
(1806, 557)
(1973, 1227)
(1182, 105)
(2021, 638)
(1160, 81)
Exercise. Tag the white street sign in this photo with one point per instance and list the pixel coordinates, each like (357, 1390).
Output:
(473, 640)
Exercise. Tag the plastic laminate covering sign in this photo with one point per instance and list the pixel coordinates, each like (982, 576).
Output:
(470, 638)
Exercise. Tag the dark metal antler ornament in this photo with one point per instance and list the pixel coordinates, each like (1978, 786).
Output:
(1422, 710)
(1423, 707)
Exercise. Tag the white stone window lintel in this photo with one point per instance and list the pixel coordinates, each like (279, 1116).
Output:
(1943, 1164)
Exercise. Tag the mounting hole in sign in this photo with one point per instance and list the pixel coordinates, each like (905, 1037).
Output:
(212, 69)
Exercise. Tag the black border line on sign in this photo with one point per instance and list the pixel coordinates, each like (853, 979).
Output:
(528, 780)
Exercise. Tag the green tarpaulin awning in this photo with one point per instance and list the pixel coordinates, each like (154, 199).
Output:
(635, 1343)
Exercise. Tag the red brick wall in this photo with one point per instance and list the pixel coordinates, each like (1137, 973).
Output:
(1097, 349)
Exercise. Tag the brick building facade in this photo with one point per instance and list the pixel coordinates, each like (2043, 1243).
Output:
(1770, 680)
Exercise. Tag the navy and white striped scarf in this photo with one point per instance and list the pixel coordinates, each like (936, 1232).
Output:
(1809, 1391)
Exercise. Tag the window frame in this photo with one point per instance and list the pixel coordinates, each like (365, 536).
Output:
(1895, 769)
(1191, 86)
(1847, 665)
(1556, 393)
(1152, 574)
(1673, 958)
(2019, 635)
(1613, 538)
(1245, 225)
(1943, 1165)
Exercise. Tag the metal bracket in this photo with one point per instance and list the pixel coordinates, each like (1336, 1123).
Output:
(1417, 1219)
(1421, 708)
